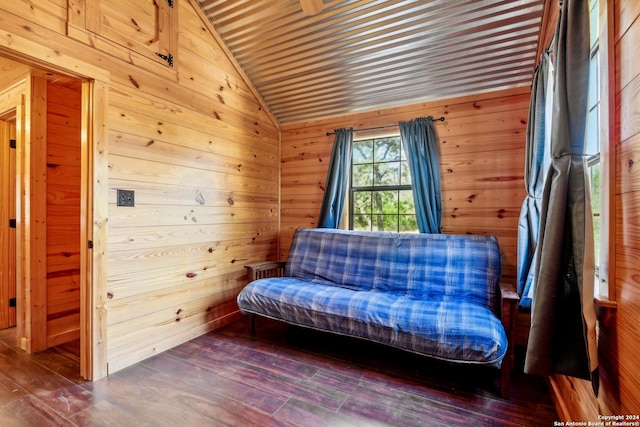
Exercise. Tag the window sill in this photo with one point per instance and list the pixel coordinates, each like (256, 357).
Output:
(605, 311)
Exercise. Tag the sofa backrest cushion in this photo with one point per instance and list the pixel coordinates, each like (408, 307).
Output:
(418, 265)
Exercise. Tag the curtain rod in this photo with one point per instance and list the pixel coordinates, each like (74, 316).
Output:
(383, 127)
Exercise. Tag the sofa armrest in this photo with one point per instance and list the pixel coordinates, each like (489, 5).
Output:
(508, 310)
(260, 270)
(508, 306)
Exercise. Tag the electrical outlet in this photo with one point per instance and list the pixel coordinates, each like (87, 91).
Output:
(126, 198)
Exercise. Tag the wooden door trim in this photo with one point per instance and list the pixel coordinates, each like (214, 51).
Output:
(7, 212)
(93, 221)
(95, 184)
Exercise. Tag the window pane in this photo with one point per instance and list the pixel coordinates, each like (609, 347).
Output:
(362, 202)
(362, 222)
(386, 173)
(408, 224)
(385, 223)
(406, 202)
(405, 174)
(362, 151)
(593, 20)
(593, 146)
(387, 149)
(592, 97)
(389, 202)
(390, 223)
(362, 175)
(376, 202)
(594, 175)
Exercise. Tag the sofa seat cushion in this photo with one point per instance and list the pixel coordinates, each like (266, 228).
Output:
(446, 328)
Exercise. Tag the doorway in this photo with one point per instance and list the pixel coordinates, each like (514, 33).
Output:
(8, 219)
(43, 132)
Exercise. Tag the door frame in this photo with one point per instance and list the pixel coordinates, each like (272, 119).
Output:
(94, 192)
(8, 284)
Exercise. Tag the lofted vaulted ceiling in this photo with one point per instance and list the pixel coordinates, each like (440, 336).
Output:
(358, 55)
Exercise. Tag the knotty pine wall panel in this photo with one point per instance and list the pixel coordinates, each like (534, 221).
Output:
(627, 242)
(202, 156)
(63, 213)
(205, 176)
(481, 145)
(627, 272)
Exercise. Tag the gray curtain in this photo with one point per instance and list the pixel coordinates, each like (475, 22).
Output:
(536, 165)
(562, 337)
(421, 147)
(336, 186)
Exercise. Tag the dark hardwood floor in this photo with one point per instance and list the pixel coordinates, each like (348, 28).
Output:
(282, 376)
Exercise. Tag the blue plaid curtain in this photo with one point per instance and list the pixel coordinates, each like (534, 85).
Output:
(336, 186)
(421, 146)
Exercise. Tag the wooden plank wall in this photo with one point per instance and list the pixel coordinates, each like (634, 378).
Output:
(63, 213)
(201, 154)
(202, 161)
(627, 199)
(481, 142)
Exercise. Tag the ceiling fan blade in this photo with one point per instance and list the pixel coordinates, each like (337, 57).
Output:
(311, 7)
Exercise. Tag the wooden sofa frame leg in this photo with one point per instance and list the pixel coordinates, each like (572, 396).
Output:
(253, 324)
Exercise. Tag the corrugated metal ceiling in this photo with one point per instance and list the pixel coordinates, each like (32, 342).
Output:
(364, 55)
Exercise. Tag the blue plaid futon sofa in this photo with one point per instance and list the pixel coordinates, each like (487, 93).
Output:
(434, 294)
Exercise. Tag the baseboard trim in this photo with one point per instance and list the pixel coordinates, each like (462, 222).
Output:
(573, 398)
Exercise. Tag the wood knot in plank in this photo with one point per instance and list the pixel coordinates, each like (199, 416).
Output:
(200, 198)
(134, 82)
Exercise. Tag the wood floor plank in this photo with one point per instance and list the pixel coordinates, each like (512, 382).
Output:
(28, 412)
(281, 376)
(266, 378)
(304, 414)
(59, 393)
(149, 395)
(209, 381)
(10, 391)
(280, 363)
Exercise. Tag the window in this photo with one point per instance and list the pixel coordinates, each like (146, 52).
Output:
(381, 198)
(593, 134)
